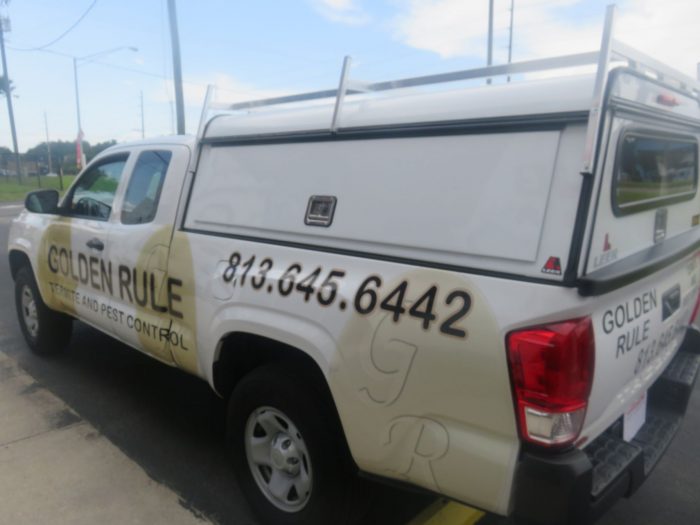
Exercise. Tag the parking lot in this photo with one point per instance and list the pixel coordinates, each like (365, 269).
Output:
(106, 433)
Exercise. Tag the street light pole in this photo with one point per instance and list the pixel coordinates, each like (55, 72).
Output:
(79, 155)
(48, 143)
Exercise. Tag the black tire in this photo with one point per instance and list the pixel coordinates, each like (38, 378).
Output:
(335, 487)
(52, 331)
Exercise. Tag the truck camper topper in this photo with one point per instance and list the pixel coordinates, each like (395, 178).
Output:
(355, 104)
(543, 129)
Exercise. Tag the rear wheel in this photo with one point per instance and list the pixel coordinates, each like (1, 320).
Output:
(46, 331)
(289, 458)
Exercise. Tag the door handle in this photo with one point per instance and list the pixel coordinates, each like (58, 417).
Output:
(95, 244)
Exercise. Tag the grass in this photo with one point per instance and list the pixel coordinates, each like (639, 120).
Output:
(631, 192)
(13, 191)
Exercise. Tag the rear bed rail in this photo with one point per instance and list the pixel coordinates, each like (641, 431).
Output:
(639, 265)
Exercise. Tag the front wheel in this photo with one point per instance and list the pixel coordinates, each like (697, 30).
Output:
(289, 458)
(46, 331)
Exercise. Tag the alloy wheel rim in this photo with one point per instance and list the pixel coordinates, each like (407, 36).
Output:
(278, 459)
(29, 312)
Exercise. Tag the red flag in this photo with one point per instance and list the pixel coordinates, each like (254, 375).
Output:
(79, 150)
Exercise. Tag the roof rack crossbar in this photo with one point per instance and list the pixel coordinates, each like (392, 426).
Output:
(529, 66)
(340, 96)
(599, 88)
(611, 50)
(356, 87)
(640, 61)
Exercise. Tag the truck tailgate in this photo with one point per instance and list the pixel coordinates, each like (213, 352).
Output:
(638, 329)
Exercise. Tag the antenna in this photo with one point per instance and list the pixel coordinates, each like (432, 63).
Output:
(489, 53)
(510, 34)
(143, 125)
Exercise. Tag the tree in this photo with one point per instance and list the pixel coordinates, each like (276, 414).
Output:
(2, 85)
(62, 155)
(92, 151)
(5, 158)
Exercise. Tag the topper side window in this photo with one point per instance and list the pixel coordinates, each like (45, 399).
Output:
(654, 169)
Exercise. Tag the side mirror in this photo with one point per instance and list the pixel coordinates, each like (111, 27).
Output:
(42, 201)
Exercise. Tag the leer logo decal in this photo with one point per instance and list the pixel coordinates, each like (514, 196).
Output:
(553, 266)
(608, 255)
(606, 243)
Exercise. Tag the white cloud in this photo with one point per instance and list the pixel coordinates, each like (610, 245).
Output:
(228, 89)
(341, 11)
(668, 31)
(447, 27)
(454, 28)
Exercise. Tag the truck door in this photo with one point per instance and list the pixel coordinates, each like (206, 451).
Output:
(146, 300)
(77, 270)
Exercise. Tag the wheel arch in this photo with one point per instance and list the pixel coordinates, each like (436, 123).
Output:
(240, 352)
(18, 259)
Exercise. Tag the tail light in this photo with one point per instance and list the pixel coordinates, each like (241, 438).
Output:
(666, 99)
(551, 369)
(696, 310)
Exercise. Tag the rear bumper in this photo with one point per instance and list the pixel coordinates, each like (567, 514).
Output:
(576, 487)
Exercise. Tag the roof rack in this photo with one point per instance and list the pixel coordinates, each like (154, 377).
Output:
(611, 50)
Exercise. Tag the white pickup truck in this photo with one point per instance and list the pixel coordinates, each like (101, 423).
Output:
(484, 292)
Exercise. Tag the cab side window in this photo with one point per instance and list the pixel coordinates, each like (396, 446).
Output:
(142, 194)
(93, 194)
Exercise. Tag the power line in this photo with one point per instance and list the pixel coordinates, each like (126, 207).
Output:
(133, 70)
(65, 33)
(53, 52)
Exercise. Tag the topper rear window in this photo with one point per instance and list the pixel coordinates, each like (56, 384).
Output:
(653, 170)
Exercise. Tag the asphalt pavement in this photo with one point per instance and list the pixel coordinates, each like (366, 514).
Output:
(152, 442)
(167, 424)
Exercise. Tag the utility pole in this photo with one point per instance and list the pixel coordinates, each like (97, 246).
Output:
(143, 125)
(79, 155)
(177, 68)
(510, 35)
(48, 145)
(5, 26)
(489, 53)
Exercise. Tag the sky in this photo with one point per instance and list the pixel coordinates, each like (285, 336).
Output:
(254, 49)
